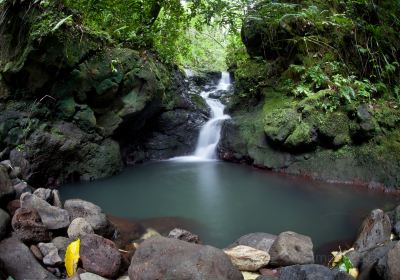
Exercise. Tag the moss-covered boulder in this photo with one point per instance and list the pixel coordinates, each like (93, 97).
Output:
(303, 137)
(280, 123)
(334, 130)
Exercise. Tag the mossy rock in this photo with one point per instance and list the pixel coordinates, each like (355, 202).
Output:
(85, 118)
(280, 123)
(304, 137)
(66, 107)
(334, 130)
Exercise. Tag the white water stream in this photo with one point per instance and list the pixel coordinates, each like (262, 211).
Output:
(210, 133)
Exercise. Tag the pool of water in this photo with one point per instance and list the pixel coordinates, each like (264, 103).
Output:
(226, 201)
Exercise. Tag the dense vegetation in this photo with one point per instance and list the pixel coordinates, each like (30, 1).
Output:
(313, 79)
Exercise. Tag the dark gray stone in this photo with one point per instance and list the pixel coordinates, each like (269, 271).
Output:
(167, 258)
(258, 240)
(306, 272)
(20, 263)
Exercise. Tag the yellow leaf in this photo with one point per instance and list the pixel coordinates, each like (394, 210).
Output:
(72, 257)
(353, 272)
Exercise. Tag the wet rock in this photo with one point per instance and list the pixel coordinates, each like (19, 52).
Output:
(13, 205)
(248, 259)
(50, 253)
(258, 240)
(61, 244)
(78, 228)
(184, 235)
(29, 227)
(306, 272)
(21, 188)
(52, 217)
(369, 266)
(4, 223)
(291, 248)
(45, 194)
(7, 192)
(36, 252)
(92, 213)
(90, 276)
(167, 258)
(56, 199)
(20, 263)
(375, 229)
(100, 256)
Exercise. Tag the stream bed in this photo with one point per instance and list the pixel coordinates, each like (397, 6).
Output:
(222, 201)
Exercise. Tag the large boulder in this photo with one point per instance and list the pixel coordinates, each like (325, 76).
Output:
(248, 259)
(167, 258)
(100, 256)
(4, 223)
(78, 208)
(375, 229)
(20, 263)
(51, 216)
(258, 240)
(291, 248)
(29, 227)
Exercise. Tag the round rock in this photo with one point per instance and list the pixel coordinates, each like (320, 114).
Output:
(78, 228)
(291, 248)
(100, 256)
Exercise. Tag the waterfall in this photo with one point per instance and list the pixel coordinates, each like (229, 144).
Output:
(210, 133)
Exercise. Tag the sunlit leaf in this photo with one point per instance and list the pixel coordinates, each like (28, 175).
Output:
(72, 257)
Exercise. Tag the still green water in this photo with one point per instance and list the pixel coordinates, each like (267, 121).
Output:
(226, 201)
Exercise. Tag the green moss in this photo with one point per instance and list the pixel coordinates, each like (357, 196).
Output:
(334, 128)
(280, 123)
(301, 137)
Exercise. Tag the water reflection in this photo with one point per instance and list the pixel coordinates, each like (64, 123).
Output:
(231, 200)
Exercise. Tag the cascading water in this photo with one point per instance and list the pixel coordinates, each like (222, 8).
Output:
(210, 133)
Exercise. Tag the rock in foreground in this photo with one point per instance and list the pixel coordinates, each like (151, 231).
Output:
(167, 258)
(375, 230)
(291, 248)
(248, 259)
(100, 256)
(20, 263)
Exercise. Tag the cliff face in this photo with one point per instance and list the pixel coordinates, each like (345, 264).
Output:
(76, 106)
(319, 94)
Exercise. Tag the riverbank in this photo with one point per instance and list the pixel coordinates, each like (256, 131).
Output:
(36, 228)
